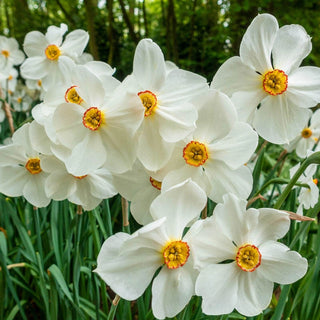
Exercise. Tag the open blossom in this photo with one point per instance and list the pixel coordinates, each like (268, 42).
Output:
(249, 239)
(8, 81)
(66, 92)
(49, 57)
(163, 96)
(128, 263)
(214, 155)
(267, 73)
(99, 131)
(307, 138)
(21, 173)
(10, 54)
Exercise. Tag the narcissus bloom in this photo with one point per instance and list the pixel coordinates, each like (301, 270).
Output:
(163, 96)
(49, 57)
(249, 239)
(127, 263)
(267, 73)
(10, 54)
(98, 130)
(307, 138)
(21, 173)
(214, 155)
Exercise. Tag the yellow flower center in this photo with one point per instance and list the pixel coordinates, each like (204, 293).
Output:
(33, 165)
(19, 100)
(195, 153)
(81, 177)
(315, 181)
(6, 53)
(53, 52)
(248, 258)
(149, 101)
(275, 82)
(155, 183)
(93, 118)
(39, 82)
(175, 254)
(306, 133)
(72, 96)
(10, 77)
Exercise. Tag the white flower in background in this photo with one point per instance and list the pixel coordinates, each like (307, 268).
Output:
(66, 92)
(308, 137)
(98, 131)
(215, 154)
(267, 73)
(249, 238)
(164, 98)
(10, 55)
(139, 187)
(21, 101)
(49, 57)
(128, 263)
(87, 190)
(21, 173)
(8, 81)
(308, 197)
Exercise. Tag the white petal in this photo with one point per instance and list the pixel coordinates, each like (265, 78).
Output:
(181, 85)
(35, 44)
(87, 155)
(304, 145)
(279, 264)
(54, 35)
(13, 180)
(217, 284)
(278, 121)
(149, 65)
(223, 180)
(59, 185)
(217, 107)
(303, 87)
(246, 103)
(101, 185)
(286, 54)
(34, 68)
(128, 275)
(257, 42)
(153, 151)
(237, 147)
(175, 122)
(180, 204)
(254, 293)
(234, 76)
(172, 289)
(75, 42)
(34, 190)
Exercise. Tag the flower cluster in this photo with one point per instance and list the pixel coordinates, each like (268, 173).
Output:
(167, 141)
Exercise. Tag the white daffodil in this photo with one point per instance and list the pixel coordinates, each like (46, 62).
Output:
(127, 263)
(66, 92)
(307, 138)
(87, 190)
(98, 131)
(21, 173)
(249, 238)
(21, 101)
(8, 81)
(164, 98)
(139, 187)
(308, 197)
(215, 154)
(49, 58)
(267, 73)
(10, 55)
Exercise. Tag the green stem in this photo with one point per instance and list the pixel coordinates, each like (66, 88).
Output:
(313, 159)
(281, 303)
